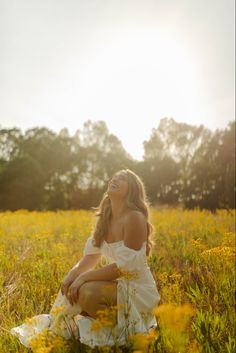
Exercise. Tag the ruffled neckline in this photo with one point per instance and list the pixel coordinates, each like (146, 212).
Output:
(115, 243)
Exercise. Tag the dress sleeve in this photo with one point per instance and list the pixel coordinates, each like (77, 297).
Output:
(89, 248)
(129, 259)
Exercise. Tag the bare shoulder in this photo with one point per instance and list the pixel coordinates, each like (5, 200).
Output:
(135, 229)
(135, 216)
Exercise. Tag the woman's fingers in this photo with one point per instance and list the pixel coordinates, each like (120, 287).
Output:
(68, 295)
(72, 295)
(64, 288)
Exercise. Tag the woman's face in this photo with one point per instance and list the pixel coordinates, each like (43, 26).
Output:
(118, 185)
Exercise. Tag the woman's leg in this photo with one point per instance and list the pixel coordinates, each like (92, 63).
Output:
(97, 295)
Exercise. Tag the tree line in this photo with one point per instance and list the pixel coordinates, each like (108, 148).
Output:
(184, 165)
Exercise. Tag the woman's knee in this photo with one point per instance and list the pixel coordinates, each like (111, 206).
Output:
(86, 294)
(94, 292)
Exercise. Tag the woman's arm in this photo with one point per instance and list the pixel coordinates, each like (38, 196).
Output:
(87, 263)
(106, 273)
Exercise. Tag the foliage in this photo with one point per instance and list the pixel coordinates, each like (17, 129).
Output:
(183, 165)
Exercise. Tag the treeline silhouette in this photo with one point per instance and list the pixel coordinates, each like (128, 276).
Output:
(182, 165)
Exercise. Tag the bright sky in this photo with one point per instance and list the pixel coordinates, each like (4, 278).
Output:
(127, 62)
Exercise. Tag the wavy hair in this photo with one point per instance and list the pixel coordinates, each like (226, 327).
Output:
(136, 200)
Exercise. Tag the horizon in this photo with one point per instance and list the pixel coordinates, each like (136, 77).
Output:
(71, 133)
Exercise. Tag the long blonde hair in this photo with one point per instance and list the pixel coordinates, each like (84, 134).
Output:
(136, 200)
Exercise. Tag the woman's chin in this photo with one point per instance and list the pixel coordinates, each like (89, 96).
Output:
(110, 192)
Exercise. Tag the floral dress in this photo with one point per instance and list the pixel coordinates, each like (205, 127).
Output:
(137, 295)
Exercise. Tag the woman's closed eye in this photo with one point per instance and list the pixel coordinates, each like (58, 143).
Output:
(119, 177)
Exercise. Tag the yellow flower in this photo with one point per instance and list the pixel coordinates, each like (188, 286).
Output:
(31, 321)
(105, 318)
(224, 251)
(127, 274)
(197, 244)
(140, 341)
(46, 341)
(174, 317)
(57, 310)
(153, 334)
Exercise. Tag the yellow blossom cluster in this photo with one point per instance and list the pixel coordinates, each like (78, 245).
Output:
(171, 287)
(224, 251)
(46, 341)
(58, 310)
(163, 277)
(228, 239)
(31, 321)
(128, 275)
(141, 341)
(106, 317)
(176, 277)
(197, 244)
(174, 317)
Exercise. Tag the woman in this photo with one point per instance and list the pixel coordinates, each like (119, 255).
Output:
(122, 234)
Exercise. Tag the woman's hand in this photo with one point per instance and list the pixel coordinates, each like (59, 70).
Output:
(73, 291)
(67, 281)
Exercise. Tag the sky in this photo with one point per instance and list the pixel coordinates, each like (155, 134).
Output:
(126, 62)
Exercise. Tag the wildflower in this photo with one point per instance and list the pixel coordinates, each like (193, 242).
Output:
(57, 310)
(163, 277)
(128, 275)
(197, 244)
(195, 347)
(46, 341)
(174, 317)
(31, 321)
(106, 318)
(153, 334)
(140, 341)
(176, 277)
(221, 251)
(228, 239)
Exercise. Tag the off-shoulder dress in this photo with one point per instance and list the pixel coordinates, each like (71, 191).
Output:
(137, 295)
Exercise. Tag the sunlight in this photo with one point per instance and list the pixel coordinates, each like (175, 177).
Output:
(151, 65)
(138, 75)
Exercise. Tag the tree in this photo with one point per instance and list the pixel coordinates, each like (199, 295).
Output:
(183, 164)
(169, 154)
(213, 171)
(34, 168)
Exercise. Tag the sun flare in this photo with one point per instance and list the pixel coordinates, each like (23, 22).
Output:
(139, 74)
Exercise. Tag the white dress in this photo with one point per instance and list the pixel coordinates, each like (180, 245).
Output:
(136, 297)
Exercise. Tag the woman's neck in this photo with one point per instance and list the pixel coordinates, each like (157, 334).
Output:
(118, 208)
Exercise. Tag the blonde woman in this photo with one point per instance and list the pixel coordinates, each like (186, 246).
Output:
(122, 235)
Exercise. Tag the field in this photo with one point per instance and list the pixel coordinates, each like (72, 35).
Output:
(192, 261)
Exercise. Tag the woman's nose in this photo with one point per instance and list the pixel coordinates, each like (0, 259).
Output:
(114, 180)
